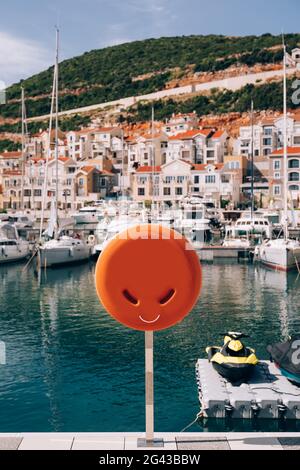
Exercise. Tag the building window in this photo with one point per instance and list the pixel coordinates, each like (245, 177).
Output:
(266, 152)
(210, 179)
(141, 191)
(294, 187)
(297, 140)
(268, 132)
(293, 176)
(276, 164)
(277, 190)
(196, 189)
(168, 179)
(277, 176)
(185, 155)
(81, 181)
(196, 179)
(37, 192)
(142, 179)
(234, 165)
(178, 191)
(167, 191)
(256, 153)
(267, 141)
(180, 179)
(293, 163)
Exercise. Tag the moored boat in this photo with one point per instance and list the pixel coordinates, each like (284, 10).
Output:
(12, 247)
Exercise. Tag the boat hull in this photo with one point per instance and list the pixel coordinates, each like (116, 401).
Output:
(279, 258)
(11, 254)
(63, 255)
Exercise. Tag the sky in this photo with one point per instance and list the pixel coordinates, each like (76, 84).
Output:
(27, 37)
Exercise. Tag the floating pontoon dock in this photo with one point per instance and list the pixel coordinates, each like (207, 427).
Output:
(211, 253)
(266, 395)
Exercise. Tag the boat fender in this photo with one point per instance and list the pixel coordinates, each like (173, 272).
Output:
(71, 252)
(91, 239)
(4, 251)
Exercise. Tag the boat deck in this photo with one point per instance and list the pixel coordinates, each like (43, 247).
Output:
(267, 394)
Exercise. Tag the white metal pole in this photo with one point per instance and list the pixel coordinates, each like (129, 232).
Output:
(149, 388)
(285, 157)
(23, 150)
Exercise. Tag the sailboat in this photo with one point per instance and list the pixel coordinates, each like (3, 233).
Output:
(61, 249)
(12, 247)
(282, 253)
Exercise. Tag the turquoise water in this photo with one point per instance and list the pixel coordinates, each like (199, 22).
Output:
(70, 367)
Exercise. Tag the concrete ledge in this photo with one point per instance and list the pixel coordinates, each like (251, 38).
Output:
(128, 441)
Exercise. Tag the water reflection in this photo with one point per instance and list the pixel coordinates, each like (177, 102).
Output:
(71, 367)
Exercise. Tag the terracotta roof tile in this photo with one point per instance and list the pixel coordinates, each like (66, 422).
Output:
(191, 134)
(148, 169)
(203, 166)
(290, 151)
(10, 154)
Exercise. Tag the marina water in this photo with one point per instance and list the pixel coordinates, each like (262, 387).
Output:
(71, 367)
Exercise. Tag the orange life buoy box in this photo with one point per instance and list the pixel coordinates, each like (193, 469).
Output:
(148, 277)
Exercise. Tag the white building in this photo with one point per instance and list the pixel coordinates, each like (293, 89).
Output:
(198, 146)
(178, 178)
(181, 123)
(268, 136)
(146, 150)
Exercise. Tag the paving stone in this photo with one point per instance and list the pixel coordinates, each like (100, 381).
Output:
(202, 443)
(98, 443)
(290, 443)
(46, 442)
(255, 443)
(10, 443)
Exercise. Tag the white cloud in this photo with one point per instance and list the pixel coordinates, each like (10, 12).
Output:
(20, 58)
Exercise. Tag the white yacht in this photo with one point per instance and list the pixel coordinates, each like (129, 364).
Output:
(240, 242)
(282, 253)
(64, 250)
(250, 225)
(21, 221)
(105, 231)
(12, 247)
(60, 249)
(194, 224)
(88, 215)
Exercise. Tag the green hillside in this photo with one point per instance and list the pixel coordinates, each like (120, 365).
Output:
(107, 74)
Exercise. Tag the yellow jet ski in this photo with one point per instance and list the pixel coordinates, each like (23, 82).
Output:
(233, 360)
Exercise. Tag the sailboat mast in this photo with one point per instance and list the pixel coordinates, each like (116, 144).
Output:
(23, 148)
(285, 157)
(252, 160)
(56, 121)
(123, 166)
(152, 154)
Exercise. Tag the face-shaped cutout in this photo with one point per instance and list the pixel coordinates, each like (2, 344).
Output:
(148, 277)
